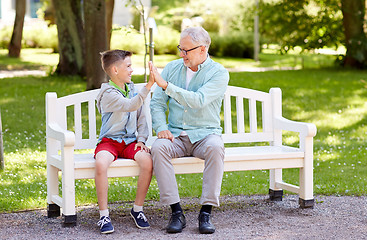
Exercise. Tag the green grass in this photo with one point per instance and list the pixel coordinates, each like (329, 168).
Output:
(333, 99)
(30, 59)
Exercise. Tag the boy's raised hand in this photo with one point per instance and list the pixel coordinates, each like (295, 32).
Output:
(157, 77)
(151, 77)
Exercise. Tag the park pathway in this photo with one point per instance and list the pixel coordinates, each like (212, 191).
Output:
(238, 217)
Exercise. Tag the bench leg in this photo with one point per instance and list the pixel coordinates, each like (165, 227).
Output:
(68, 188)
(275, 195)
(69, 220)
(306, 199)
(306, 203)
(53, 210)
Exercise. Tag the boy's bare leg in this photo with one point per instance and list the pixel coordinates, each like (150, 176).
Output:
(103, 161)
(144, 160)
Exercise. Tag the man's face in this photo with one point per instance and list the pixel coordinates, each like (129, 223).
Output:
(193, 58)
(124, 70)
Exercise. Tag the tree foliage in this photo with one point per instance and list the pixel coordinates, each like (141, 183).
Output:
(311, 24)
(305, 23)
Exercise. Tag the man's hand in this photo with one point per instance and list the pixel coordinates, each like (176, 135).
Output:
(150, 82)
(156, 76)
(166, 134)
(142, 147)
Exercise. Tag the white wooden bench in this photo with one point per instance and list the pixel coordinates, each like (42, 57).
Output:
(259, 113)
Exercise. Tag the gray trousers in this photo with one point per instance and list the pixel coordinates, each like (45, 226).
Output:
(210, 149)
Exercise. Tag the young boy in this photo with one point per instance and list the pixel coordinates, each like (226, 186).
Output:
(122, 116)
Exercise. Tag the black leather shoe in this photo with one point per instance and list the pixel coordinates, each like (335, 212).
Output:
(176, 223)
(205, 225)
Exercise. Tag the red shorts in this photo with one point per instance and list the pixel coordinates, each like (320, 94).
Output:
(119, 150)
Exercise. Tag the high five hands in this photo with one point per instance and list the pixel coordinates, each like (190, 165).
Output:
(156, 77)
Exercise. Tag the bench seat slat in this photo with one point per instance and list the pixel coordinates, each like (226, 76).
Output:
(236, 159)
(231, 154)
(262, 152)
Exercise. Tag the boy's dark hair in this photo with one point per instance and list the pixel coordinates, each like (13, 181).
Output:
(111, 56)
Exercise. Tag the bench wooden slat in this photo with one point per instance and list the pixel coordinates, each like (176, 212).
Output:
(91, 123)
(247, 137)
(78, 121)
(253, 116)
(240, 115)
(227, 114)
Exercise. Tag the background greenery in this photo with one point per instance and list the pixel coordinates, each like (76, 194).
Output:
(306, 25)
(333, 99)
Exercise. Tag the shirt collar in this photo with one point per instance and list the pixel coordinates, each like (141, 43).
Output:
(206, 62)
(124, 92)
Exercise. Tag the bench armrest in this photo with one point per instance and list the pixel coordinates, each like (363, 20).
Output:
(306, 129)
(67, 138)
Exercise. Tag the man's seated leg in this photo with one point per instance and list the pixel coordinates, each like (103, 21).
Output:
(205, 225)
(163, 150)
(211, 149)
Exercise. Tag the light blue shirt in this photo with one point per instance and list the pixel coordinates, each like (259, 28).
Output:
(195, 110)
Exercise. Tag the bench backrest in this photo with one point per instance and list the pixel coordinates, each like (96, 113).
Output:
(247, 115)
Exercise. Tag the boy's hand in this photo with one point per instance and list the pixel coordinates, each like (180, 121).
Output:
(142, 147)
(157, 77)
(151, 77)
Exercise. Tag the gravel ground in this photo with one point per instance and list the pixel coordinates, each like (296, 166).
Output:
(238, 217)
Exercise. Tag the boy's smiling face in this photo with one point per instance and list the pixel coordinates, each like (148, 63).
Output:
(122, 71)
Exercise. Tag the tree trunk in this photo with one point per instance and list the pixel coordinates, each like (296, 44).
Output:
(96, 41)
(71, 37)
(109, 18)
(355, 38)
(15, 44)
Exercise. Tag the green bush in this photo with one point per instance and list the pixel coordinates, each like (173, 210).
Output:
(33, 37)
(233, 44)
(176, 22)
(211, 23)
(173, 18)
(41, 37)
(5, 36)
(166, 40)
(136, 18)
(128, 39)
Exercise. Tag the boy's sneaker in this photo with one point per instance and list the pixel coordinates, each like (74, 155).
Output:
(139, 218)
(105, 224)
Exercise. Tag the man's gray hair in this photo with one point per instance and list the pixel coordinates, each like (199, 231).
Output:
(198, 35)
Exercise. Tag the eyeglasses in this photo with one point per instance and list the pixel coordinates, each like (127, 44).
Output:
(186, 51)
